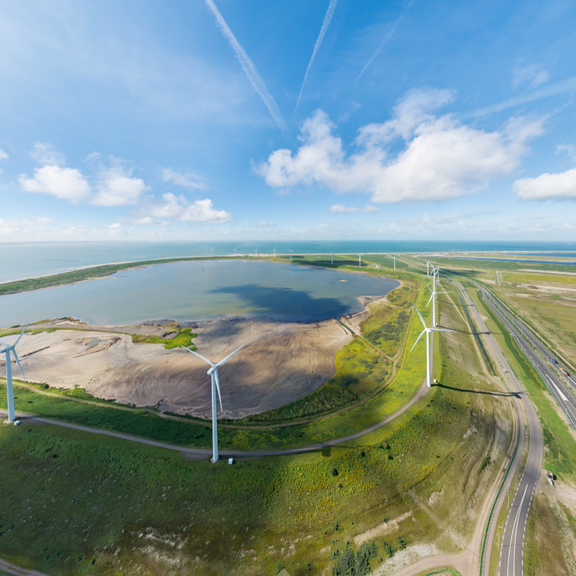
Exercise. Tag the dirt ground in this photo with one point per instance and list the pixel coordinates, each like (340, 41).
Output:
(281, 362)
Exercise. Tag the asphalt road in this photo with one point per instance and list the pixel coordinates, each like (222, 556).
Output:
(512, 544)
(560, 386)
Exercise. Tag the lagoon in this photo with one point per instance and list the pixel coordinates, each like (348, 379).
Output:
(200, 290)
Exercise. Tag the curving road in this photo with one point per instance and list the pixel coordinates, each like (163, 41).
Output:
(512, 547)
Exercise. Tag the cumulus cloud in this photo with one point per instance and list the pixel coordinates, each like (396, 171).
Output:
(531, 76)
(117, 187)
(3, 155)
(441, 157)
(46, 153)
(173, 207)
(561, 185)
(65, 183)
(339, 209)
(265, 224)
(185, 179)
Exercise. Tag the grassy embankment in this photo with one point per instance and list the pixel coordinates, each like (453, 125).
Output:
(75, 503)
(544, 554)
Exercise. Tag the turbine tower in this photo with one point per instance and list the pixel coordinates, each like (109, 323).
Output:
(274, 252)
(256, 252)
(212, 251)
(360, 260)
(433, 296)
(235, 251)
(7, 348)
(290, 254)
(332, 257)
(394, 261)
(428, 332)
(213, 372)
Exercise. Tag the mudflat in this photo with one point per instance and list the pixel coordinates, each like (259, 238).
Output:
(281, 362)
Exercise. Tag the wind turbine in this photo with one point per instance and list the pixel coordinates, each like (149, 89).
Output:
(213, 372)
(332, 256)
(212, 251)
(394, 261)
(360, 260)
(309, 258)
(428, 266)
(290, 254)
(235, 251)
(274, 252)
(433, 296)
(7, 348)
(428, 331)
(256, 252)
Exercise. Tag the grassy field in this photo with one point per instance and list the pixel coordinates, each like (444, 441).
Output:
(75, 503)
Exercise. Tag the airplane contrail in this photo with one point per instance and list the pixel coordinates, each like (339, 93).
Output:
(385, 40)
(323, 29)
(250, 70)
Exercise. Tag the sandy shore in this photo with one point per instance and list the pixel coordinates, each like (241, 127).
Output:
(281, 362)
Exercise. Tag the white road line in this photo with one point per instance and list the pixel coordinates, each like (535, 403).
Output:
(514, 533)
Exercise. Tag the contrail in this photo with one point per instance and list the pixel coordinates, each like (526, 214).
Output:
(385, 40)
(323, 29)
(251, 71)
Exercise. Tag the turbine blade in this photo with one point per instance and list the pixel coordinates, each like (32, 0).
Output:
(418, 311)
(218, 387)
(418, 339)
(430, 300)
(21, 334)
(222, 362)
(196, 354)
(18, 362)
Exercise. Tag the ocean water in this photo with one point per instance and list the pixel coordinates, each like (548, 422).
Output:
(27, 260)
(199, 290)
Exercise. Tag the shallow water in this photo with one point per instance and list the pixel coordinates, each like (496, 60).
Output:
(189, 291)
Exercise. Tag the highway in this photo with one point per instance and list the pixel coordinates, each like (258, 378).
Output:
(512, 545)
(560, 386)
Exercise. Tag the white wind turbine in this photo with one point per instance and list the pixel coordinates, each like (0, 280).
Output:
(290, 254)
(360, 260)
(213, 372)
(235, 251)
(309, 256)
(394, 261)
(433, 296)
(256, 252)
(332, 257)
(428, 266)
(212, 251)
(7, 348)
(428, 332)
(274, 252)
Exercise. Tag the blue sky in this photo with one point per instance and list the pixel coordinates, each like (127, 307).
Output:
(333, 119)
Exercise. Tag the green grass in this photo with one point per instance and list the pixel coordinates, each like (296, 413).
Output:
(71, 499)
(183, 338)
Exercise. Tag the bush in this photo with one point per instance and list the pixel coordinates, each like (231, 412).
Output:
(334, 472)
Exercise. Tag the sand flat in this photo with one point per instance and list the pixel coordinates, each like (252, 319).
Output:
(281, 362)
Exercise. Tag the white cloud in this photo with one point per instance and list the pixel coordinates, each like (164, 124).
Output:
(3, 155)
(185, 179)
(569, 149)
(46, 153)
(532, 75)
(174, 207)
(339, 209)
(561, 185)
(265, 224)
(117, 187)
(441, 158)
(65, 183)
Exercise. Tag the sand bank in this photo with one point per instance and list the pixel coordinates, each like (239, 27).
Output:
(281, 362)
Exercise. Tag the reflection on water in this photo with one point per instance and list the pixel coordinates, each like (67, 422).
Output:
(188, 291)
